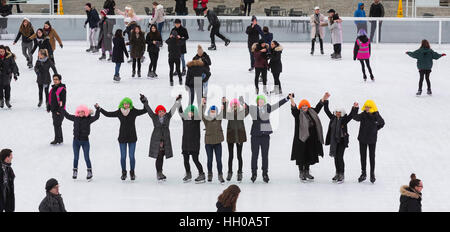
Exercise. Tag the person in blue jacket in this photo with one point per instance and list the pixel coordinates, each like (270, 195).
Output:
(360, 13)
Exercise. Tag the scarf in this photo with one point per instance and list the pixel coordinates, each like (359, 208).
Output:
(161, 120)
(125, 112)
(43, 60)
(317, 22)
(306, 121)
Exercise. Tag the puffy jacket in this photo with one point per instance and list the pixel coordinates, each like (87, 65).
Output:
(425, 57)
(81, 125)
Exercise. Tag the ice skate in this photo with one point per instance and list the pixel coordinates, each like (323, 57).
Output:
(251, 69)
(419, 93)
(183, 73)
(2, 103)
(253, 179)
(239, 177)
(124, 175)
(308, 175)
(40, 103)
(133, 74)
(89, 174)
(175, 73)
(75, 173)
(372, 178)
(200, 179)
(227, 42)
(365, 77)
(312, 52)
(429, 92)
(139, 73)
(212, 48)
(132, 175)
(338, 57)
(220, 178)
(187, 178)
(116, 78)
(109, 58)
(180, 81)
(95, 49)
(229, 176)
(266, 177)
(210, 176)
(303, 177)
(321, 52)
(171, 83)
(90, 49)
(372, 77)
(334, 179)
(102, 57)
(160, 176)
(340, 178)
(362, 177)
(7, 104)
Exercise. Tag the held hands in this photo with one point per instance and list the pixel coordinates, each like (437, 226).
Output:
(291, 96)
(443, 54)
(356, 105)
(203, 101)
(326, 96)
(96, 106)
(143, 99)
(224, 100)
(178, 97)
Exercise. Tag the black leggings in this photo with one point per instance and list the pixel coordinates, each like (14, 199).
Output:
(7, 89)
(153, 61)
(313, 42)
(426, 74)
(138, 61)
(231, 156)
(176, 63)
(41, 91)
(247, 8)
(260, 72)
(160, 161)
(197, 163)
(339, 158)
(363, 153)
(368, 66)
(276, 79)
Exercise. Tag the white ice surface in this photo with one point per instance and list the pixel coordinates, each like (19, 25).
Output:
(415, 138)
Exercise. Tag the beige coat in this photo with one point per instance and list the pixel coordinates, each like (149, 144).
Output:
(159, 15)
(323, 22)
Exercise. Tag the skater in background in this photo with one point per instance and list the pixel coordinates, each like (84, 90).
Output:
(260, 132)
(248, 6)
(360, 13)
(362, 51)
(275, 66)
(158, 16)
(110, 5)
(411, 196)
(160, 142)
(267, 36)
(235, 112)
(207, 63)
(53, 202)
(137, 43)
(52, 35)
(317, 21)
(127, 115)
(57, 100)
(9, 69)
(376, 10)
(183, 36)
(129, 14)
(226, 202)
(214, 27)
(117, 55)
(254, 32)
(93, 19)
(190, 144)
(43, 42)
(425, 56)
(337, 136)
(213, 138)
(308, 136)
(154, 42)
(335, 26)
(181, 9)
(260, 51)
(199, 8)
(173, 46)
(105, 35)
(82, 121)
(5, 10)
(370, 123)
(42, 69)
(196, 68)
(7, 176)
(26, 30)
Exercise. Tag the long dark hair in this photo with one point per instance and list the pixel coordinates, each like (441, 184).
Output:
(42, 31)
(229, 197)
(156, 33)
(414, 181)
(425, 44)
(118, 33)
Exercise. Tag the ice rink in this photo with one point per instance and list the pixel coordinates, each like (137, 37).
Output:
(415, 138)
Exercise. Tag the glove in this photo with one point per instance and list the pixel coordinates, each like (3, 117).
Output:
(443, 54)
(48, 108)
(124, 33)
(61, 46)
(143, 99)
(15, 77)
(178, 97)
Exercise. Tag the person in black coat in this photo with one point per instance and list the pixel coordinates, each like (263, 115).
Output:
(42, 67)
(196, 68)
(5, 10)
(214, 27)
(7, 176)
(8, 68)
(154, 42)
(275, 66)
(254, 32)
(411, 196)
(183, 36)
(110, 5)
(370, 122)
(82, 121)
(93, 19)
(203, 56)
(57, 100)
(53, 202)
(248, 6)
(376, 10)
(337, 136)
(181, 9)
(43, 42)
(118, 50)
(173, 45)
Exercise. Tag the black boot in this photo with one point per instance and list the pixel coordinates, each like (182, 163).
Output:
(40, 103)
(90, 49)
(2, 103)
(229, 176)
(7, 104)
(312, 46)
(75, 173)
(372, 178)
(212, 47)
(134, 73)
(266, 177)
(253, 179)
(124, 175)
(362, 177)
(102, 57)
(227, 42)
(132, 176)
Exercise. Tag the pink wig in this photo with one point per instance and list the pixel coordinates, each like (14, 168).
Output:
(83, 108)
(234, 101)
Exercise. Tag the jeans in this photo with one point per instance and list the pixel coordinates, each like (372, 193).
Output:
(426, 74)
(117, 69)
(138, 61)
(263, 143)
(26, 51)
(57, 126)
(204, 86)
(361, 25)
(200, 22)
(368, 67)
(123, 155)
(76, 152)
(197, 163)
(7, 89)
(363, 153)
(252, 58)
(339, 158)
(153, 61)
(160, 26)
(183, 63)
(93, 38)
(175, 63)
(231, 156)
(210, 150)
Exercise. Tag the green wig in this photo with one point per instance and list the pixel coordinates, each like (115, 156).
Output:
(126, 100)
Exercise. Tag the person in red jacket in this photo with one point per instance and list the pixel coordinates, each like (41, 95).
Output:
(199, 7)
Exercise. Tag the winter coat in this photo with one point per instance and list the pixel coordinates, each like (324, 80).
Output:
(105, 36)
(345, 119)
(191, 133)
(275, 60)
(425, 57)
(7, 198)
(196, 68)
(118, 50)
(203, 3)
(376, 10)
(221, 208)
(129, 28)
(52, 36)
(25, 33)
(360, 13)
(184, 36)
(110, 5)
(212, 19)
(127, 130)
(150, 38)
(5, 11)
(92, 18)
(260, 57)
(249, 1)
(410, 200)
(322, 22)
(180, 7)
(137, 45)
(308, 152)
(81, 125)
(54, 99)
(213, 127)
(261, 117)
(205, 58)
(253, 35)
(267, 37)
(43, 43)
(42, 68)
(158, 15)
(362, 49)
(336, 32)
(236, 128)
(370, 124)
(174, 48)
(8, 67)
(161, 131)
(52, 204)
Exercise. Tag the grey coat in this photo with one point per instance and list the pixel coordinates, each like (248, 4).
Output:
(336, 32)
(106, 34)
(161, 131)
(213, 127)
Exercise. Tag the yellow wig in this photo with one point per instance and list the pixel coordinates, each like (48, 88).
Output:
(371, 104)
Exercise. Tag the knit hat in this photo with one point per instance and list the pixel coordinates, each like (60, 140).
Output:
(331, 11)
(191, 108)
(261, 97)
(82, 108)
(50, 184)
(304, 102)
(27, 19)
(213, 107)
(126, 100)
(177, 21)
(199, 50)
(372, 105)
(317, 8)
(104, 12)
(234, 101)
(254, 18)
(160, 108)
(342, 110)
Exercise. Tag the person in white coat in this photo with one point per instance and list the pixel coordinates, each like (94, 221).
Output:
(158, 16)
(317, 21)
(335, 26)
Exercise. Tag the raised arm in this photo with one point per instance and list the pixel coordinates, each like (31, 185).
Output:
(113, 114)
(67, 115)
(176, 105)
(352, 114)
(96, 115)
(327, 109)
(277, 105)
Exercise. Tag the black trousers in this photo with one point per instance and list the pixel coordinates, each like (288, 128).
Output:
(174, 63)
(313, 42)
(231, 156)
(153, 61)
(160, 160)
(7, 92)
(138, 61)
(367, 61)
(200, 22)
(260, 72)
(247, 8)
(260, 142)
(276, 79)
(57, 126)
(197, 163)
(373, 27)
(41, 91)
(337, 48)
(252, 57)
(426, 74)
(339, 158)
(215, 31)
(363, 153)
